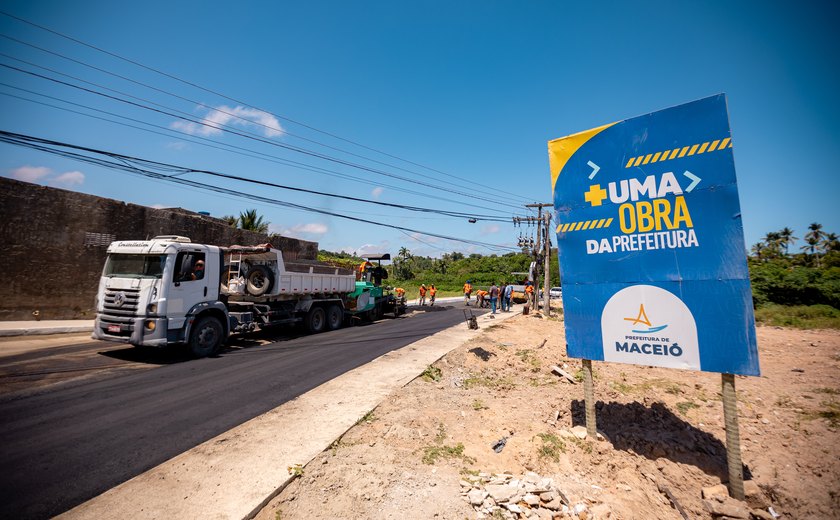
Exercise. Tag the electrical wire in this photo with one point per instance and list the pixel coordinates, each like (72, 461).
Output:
(243, 104)
(132, 165)
(268, 158)
(246, 134)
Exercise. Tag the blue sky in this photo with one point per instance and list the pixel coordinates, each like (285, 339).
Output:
(472, 90)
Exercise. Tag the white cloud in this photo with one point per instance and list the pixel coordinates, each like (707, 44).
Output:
(68, 179)
(490, 229)
(311, 228)
(377, 192)
(223, 115)
(30, 173)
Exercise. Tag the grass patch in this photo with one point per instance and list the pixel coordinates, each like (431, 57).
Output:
(366, 418)
(529, 358)
(432, 373)
(495, 383)
(296, 470)
(431, 454)
(583, 444)
(830, 412)
(799, 316)
(478, 405)
(669, 387)
(829, 391)
(685, 406)
(552, 446)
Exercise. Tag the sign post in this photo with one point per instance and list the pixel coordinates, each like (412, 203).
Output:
(651, 249)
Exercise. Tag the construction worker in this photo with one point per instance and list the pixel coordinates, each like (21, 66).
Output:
(467, 292)
(400, 294)
(494, 297)
(529, 294)
(422, 295)
(507, 295)
(432, 294)
(479, 298)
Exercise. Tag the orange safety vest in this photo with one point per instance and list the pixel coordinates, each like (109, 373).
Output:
(467, 288)
(400, 291)
(529, 289)
(422, 291)
(433, 291)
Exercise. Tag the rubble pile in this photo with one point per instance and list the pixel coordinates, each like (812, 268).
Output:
(518, 497)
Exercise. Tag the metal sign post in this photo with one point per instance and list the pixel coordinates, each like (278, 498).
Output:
(589, 398)
(733, 438)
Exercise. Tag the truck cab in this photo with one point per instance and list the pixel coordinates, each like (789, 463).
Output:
(162, 291)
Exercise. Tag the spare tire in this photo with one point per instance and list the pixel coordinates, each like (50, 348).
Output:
(259, 280)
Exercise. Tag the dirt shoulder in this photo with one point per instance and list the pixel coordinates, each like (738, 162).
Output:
(427, 450)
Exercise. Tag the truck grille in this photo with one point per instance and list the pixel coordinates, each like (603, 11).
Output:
(122, 302)
(119, 309)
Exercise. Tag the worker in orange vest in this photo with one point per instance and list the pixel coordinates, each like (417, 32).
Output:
(529, 294)
(422, 294)
(467, 292)
(479, 298)
(432, 294)
(400, 294)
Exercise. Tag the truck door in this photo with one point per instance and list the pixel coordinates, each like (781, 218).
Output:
(188, 286)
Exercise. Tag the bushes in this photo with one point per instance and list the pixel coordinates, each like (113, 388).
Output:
(780, 282)
(799, 316)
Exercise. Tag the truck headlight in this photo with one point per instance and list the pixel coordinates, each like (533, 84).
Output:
(152, 308)
(150, 325)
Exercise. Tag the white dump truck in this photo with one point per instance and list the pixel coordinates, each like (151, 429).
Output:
(169, 290)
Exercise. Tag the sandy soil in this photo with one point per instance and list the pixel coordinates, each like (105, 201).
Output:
(419, 453)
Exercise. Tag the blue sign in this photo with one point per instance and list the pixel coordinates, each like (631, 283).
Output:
(651, 244)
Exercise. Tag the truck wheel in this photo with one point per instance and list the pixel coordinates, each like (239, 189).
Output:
(316, 320)
(259, 280)
(335, 317)
(206, 337)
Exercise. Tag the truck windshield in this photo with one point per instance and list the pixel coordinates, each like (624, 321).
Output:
(135, 266)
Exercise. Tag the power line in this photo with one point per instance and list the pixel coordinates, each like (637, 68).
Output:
(245, 134)
(235, 149)
(131, 165)
(285, 118)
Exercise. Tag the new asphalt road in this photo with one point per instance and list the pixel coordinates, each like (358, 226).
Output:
(67, 443)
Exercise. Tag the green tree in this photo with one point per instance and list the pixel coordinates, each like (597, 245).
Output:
(786, 238)
(813, 239)
(250, 220)
(773, 244)
(231, 220)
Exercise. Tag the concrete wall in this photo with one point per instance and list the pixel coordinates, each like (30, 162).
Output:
(54, 245)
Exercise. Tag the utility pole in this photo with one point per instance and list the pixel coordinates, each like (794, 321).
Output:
(543, 223)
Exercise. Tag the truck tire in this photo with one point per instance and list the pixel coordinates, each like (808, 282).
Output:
(206, 337)
(259, 280)
(316, 320)
(335, 317)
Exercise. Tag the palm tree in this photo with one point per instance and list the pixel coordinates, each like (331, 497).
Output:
(773, 243)
(231, 220)
(831, 242)
(813, 238)
(786, 238)
(249, 220)
(758, 248)
(404, 253)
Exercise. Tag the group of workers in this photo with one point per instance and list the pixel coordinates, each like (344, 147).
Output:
(432, 290)
(495, 295)
(500, 295)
